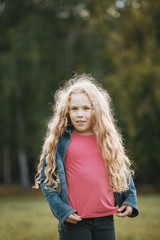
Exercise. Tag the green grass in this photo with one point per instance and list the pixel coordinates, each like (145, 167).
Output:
(144, 227)
(29, 217)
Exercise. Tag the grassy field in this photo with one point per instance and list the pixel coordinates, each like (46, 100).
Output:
(28, 217)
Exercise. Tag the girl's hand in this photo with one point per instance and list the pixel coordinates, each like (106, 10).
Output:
(124, 211)
(73, 218)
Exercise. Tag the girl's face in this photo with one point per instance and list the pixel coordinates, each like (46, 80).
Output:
(80, 112)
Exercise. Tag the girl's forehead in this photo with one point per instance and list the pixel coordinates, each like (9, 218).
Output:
(79, 98)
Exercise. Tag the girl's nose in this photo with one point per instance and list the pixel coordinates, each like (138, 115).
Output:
(80, 113)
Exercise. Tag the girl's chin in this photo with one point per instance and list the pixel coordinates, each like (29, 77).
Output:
(80, 130)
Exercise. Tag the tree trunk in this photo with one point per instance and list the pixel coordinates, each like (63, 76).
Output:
(6, 165)
(24, 171)
(22, 156)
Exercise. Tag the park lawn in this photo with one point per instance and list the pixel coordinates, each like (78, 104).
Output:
(29, 217)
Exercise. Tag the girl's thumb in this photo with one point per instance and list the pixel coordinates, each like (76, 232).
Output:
(121, 208)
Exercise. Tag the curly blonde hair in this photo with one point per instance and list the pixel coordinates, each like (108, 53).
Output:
(104, 127)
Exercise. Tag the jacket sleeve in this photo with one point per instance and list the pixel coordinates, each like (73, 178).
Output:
(59, 209)
(129, 197)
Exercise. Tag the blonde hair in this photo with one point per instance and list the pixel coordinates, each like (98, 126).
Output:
(104, 127)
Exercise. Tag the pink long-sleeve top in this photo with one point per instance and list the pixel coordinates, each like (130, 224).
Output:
(88, 185)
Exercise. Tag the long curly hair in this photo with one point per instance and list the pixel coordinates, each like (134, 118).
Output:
(104, 127)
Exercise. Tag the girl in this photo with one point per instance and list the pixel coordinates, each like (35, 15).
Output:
(83, 170)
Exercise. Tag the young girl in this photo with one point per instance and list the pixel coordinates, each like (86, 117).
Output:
(83, 170)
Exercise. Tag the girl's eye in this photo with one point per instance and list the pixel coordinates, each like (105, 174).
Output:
(75, 108)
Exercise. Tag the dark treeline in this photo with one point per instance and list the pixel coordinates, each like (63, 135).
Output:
(42, 42)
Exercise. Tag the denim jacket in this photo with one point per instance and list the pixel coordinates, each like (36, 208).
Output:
(58, 199)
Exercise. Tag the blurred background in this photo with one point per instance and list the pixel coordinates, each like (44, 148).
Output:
(43, 43)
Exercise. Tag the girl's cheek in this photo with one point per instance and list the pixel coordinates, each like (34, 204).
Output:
(73, 115)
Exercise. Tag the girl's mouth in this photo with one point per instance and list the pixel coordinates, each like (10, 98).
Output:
(80, 122)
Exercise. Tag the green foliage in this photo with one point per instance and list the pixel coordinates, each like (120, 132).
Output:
(44, 42)
(135, 86)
